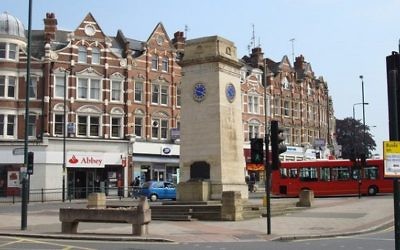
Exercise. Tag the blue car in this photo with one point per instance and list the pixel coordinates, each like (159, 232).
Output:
(155, 190)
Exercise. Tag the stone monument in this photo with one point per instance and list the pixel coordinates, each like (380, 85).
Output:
(211, 151)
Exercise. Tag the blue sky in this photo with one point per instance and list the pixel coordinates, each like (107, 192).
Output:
(341, 39)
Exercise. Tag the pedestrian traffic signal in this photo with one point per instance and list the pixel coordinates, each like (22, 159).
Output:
(277, 145)
(257, 150)
(30, 163)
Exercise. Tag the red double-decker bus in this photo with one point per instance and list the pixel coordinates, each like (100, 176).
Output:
(330, 177)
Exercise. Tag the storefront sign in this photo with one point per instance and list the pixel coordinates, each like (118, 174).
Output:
(85, 160)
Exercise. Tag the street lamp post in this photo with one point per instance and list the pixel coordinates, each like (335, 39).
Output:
(25, 186)
(363, 108)
(354, 151)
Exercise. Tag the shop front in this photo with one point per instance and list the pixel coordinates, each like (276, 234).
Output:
(10, 180)
(89, 172)
(155, 162)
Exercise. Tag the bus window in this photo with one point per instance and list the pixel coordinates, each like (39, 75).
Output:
(325, 174)
(340, 173)
(293, 173)
(308, 174)
(371, 172)
(283, 173)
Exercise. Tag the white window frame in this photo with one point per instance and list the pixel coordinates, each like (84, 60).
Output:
(165, 64)
(138, 95)
(118, 126)
(32, 125)
(33, 88)
(5, 124)
(159, 94)
(119, 92)
(89, 88)
(88, 125)
(8, 51)
(55, 123)
(154, 62)
(8, 86)
(254, 130)
(286, 108)
(96, 55)
(178, 96)
(59, 82)
(159, 128)
(82, 54)
(139, 126)
(253, 104)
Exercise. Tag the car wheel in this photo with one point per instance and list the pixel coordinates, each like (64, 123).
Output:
(153, 197)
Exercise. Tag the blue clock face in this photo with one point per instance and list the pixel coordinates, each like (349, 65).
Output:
(199, 92)
(230, 92)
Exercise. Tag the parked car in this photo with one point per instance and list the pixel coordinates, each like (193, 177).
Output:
(155, 190)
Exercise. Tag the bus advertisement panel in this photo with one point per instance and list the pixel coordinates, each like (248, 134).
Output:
(330, 177)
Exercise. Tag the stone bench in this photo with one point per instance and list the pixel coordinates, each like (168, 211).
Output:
(139, 217)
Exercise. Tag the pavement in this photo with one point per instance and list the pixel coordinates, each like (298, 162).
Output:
(328, 217)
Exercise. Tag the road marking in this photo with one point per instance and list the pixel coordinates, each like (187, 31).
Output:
(11, 243)
(65, 246)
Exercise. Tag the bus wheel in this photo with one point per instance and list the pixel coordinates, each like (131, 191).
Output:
(372, 190)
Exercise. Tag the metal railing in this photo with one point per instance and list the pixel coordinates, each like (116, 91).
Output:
(56, 194)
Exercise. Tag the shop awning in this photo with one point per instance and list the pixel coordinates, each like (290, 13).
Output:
(255, 167)
(155, 159)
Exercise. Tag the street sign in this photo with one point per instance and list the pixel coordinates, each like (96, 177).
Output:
(391, 158)
(18, 151)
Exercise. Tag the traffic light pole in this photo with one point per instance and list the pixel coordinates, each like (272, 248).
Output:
(267, 183)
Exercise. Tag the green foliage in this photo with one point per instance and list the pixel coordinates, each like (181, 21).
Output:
(350, 134)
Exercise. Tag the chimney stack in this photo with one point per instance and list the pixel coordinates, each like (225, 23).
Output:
(50, 27)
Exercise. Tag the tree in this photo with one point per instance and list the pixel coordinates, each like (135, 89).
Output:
(350, 134)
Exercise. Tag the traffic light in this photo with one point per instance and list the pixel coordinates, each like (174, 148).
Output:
(30, 163)
(257, 151)
(277, 145)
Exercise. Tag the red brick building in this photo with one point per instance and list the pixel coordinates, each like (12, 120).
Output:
(119, 116)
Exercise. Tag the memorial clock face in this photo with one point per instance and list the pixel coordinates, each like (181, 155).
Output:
(230, 92)
(199, 92)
